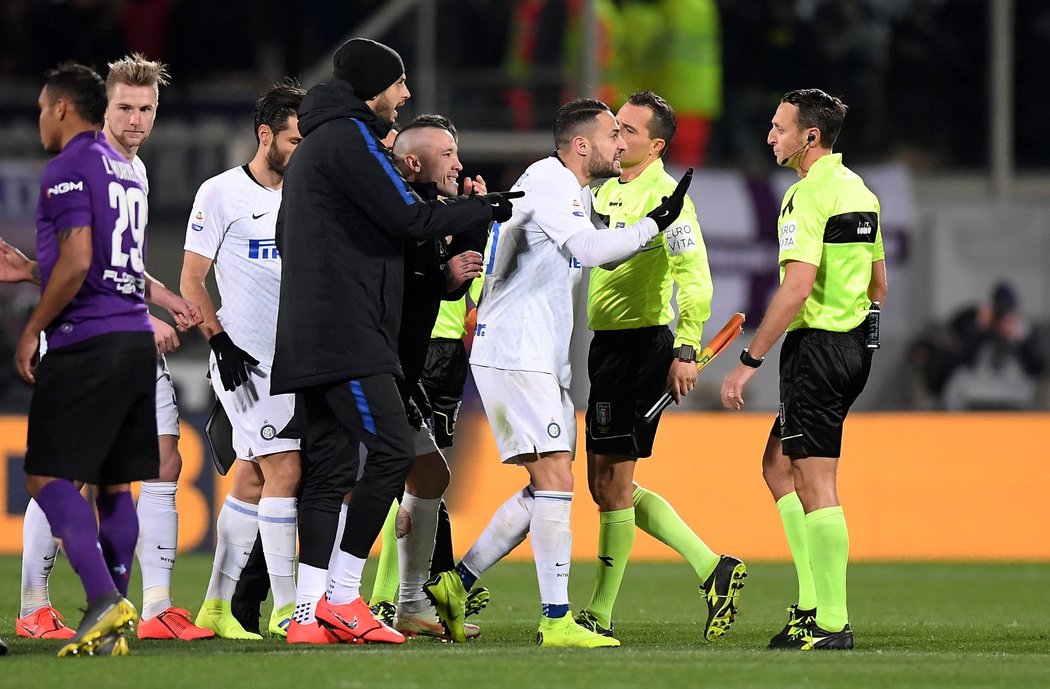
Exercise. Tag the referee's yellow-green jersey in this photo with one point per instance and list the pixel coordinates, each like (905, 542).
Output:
(830, 219)
(637, 293)
(451, 319)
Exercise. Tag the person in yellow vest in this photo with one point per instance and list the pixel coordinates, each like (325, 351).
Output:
(634, 357)
(832, 278)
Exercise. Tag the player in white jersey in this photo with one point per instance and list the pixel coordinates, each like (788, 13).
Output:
(520, 356)
(132, 86)
(232, 226)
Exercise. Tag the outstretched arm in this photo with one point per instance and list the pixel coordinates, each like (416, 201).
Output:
(186, 314)
(16, 266)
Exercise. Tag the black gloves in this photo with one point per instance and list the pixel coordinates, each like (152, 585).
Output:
(233, 362)
(671, 208)
(502, 208)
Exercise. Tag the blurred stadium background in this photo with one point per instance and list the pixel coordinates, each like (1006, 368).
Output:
(948, 112)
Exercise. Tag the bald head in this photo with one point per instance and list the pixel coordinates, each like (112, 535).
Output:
(429, 154)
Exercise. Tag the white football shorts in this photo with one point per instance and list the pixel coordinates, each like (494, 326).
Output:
(256, 417)
(167, 405)
(528, 411)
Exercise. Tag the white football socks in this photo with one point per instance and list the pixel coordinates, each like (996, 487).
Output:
(552, 544)
(338, 536)
(236, 530)
(158, 541)
(277, 529)
(308, 590)
(344, 578)
(416, 550)
(505, 531)
(39, 550)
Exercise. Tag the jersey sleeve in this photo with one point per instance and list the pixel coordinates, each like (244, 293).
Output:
(691, 272)
(880, 251)
(556, 208)
(205, 227)
(801, 228)
(67, 196)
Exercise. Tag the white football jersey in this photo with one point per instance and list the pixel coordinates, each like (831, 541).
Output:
(140, 169)
(532, 281)
(233, 222)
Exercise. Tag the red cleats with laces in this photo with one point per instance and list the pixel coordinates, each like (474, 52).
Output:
(44, 623)
(173, 623)
(353, 622)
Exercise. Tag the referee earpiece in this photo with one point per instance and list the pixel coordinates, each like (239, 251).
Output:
(810, 138)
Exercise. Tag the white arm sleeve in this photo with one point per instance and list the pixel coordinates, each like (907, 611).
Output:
(598, 247)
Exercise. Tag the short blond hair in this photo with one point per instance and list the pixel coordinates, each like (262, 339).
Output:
(137, 70)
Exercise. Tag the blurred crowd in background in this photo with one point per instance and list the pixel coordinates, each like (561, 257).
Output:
(915, 72)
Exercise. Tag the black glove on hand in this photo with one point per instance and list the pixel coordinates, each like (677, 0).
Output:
(502, 208)
(671, 208)
(233, 361)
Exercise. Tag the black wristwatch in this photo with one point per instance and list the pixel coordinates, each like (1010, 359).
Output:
(747, 360)
(685, 353)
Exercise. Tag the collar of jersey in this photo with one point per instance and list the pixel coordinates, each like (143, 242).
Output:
(650, 174)
(825, 165)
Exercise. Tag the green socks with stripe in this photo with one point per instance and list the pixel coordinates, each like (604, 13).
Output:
(615, 540)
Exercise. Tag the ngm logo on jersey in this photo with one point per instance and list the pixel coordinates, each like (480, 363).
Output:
(263, 249)
(64, 187)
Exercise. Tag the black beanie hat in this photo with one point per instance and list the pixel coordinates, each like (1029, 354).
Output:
(368, 66)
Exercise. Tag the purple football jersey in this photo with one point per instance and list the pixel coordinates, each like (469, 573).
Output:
(90, 184)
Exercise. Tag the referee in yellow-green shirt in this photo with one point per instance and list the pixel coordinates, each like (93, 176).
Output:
(832, 271)
(634, 357)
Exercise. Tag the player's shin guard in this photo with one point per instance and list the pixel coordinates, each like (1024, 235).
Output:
(415, 550)
(158, 541)
(552, 547)
(39, 550)
(118, 532)
(829, 554)
(505, 531)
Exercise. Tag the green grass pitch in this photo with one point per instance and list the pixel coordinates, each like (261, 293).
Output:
(917, 625)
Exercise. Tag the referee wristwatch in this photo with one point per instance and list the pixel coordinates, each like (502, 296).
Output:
(747, 360)
(685, 353)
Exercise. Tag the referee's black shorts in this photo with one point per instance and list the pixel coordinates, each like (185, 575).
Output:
(821, 375)
(443, 378)
(628, 373)
(93, 414)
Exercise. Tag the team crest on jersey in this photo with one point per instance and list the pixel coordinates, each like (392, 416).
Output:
(268, 431)
(603, 413)
(553, 430)
(197, 224)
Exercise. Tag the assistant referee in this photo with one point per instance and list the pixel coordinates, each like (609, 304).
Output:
(832, 268)
(634, 357)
